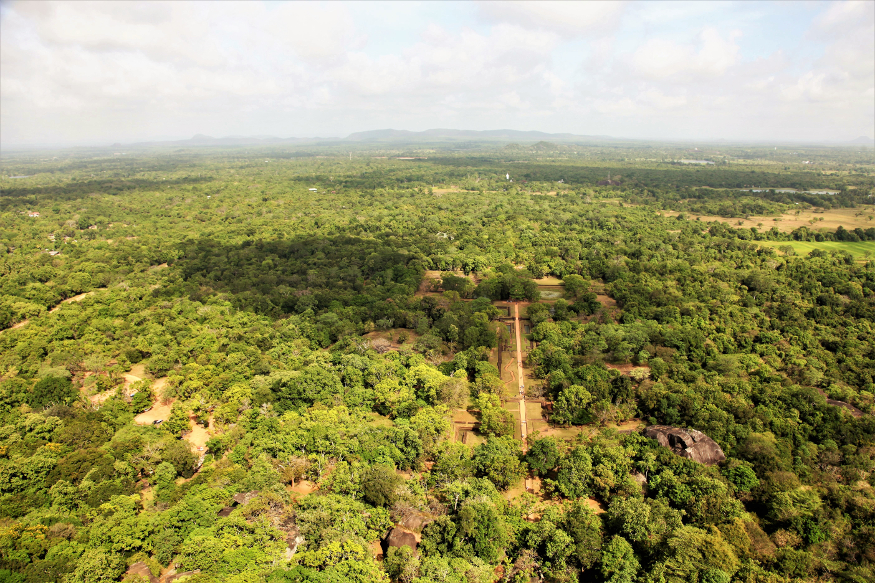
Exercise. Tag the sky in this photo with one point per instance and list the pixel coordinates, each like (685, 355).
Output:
(91, 73)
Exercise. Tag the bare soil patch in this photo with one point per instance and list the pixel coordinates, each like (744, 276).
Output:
(98, 399)
(77, 298)
(394, 344)
(515, 491)
(158, 387)
(627, 426)
(198, 435)
(136, 374)
(625, 368)
(158, 411)
(432, 279)
(607, 301)
(303, 487)
(831, 219)
(376, 550)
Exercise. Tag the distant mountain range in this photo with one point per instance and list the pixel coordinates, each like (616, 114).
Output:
(384, 136)
(445, 135)
(390, 136)
(202, 140)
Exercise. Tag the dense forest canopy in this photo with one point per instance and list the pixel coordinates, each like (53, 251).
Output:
(274, 364)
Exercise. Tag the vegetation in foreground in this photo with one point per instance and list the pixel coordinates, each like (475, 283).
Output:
(221, 291)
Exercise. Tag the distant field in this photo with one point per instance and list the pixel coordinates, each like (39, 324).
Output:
(828, 220)
(858, 250)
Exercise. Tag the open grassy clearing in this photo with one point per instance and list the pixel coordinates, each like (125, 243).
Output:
(549, 281)
(814, 219)
(514, 409)
(858, 250)
(393, 337)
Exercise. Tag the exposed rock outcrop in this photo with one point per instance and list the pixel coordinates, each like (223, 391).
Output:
(244, 497)
(415, 521)
(688, 443)
(853, 410)
(399, 538)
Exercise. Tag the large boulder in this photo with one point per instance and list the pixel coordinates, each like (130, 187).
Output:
(415, 521)
(399, 538)
(687, 443)
(244, 497)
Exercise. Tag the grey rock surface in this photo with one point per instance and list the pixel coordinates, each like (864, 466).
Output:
(399, 538)
(688, 443)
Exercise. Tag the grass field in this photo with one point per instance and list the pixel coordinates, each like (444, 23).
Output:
(858, 250)
(816, 221)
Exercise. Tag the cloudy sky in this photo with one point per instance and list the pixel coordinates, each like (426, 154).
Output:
(103, 72)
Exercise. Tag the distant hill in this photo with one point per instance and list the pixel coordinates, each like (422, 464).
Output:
(541, 146)
(203, 140)
(544, 140)
(447, 135)
(863, 140)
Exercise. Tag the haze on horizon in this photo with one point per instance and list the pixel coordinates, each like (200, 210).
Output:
(84, 73)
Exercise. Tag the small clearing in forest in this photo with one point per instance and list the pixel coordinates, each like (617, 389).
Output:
(158, 411)
(198, 435)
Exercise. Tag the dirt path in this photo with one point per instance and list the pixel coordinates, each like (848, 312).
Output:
(98, 399)
(522, 403)
(77, 298)
(136, 374)
(158, 410)
(507, 368)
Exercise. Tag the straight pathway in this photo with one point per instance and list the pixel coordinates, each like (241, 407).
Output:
(522, 386)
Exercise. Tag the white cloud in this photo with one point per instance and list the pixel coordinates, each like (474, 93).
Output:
(565, 18)
(841, 17)
(126, 71)
(665, 59)
(843, 79)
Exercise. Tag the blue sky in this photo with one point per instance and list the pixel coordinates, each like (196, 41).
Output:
(103, 72)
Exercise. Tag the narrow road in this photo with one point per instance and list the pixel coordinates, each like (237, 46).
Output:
(519, 364)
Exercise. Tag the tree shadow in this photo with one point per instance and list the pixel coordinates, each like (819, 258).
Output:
(285, 276)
